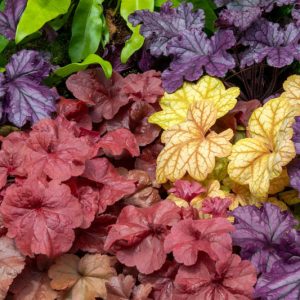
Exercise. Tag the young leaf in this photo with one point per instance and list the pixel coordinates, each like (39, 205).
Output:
(136, 40)
(176, 105)
(37, 13)
(258, 159)
(87, 29)
(91, 59)
(84, 278)
(3, 43)
(191, 146)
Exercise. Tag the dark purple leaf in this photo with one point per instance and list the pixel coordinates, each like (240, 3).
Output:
(280, 46)
(160, 28)
(193, 51)
(10, 17)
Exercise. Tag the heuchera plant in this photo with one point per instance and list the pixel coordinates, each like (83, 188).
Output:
(157, 185)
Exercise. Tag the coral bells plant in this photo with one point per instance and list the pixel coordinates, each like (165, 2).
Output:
(166, 169)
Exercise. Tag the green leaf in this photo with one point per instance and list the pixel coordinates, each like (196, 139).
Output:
(37, 13)
(136, 40)
(2, 5)
(91, 59)
(3, 43)
(159, 3)
(87, 29)
(60, 21)
(2, 70)
(210, 16)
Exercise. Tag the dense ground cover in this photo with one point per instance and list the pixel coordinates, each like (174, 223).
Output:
(149, 149)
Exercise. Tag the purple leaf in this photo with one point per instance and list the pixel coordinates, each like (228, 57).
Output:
(294, 173)
(28, 101)
(282, 282)
(192, 52)
(280, 46)
(25, 98)
(242, 13)
(260, 232)
(10, 17)
(160, 28)
(32, 64)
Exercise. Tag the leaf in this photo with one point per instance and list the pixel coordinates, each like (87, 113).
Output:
(258, 159)
(282, 282)
(12, 263)
(26, 99)
(208, 7)
(32, 284)
(41, 217)
(135, 42)
(37, 13)
(189, 146)
(175, 106)
(9, 18)
(83, 278)
(87, 29)
(120, 287)
(189, 237)
(292, 92)
(89, 60)
(3, 43)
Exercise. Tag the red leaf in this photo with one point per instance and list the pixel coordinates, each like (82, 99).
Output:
(120, 287)
(105, 95)
(92, 239)
(186, 190)
(216, 206)
(11, 264)
(243, 110)
(41, 218)
(139, 233)
(75, 110)
(162, 281)
(32, 284)
(12, 156)
(210, 280)
(147, 160)
(114, 187)
(115, 142)
(54, 150)
(211, 236)
(146, 86)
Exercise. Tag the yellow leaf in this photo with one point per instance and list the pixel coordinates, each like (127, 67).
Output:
(292, 92)
(175, 106)
(190, 147)
(279, 183)
(259, 159)
(278, 203)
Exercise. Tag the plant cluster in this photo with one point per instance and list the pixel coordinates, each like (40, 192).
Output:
(172, 175)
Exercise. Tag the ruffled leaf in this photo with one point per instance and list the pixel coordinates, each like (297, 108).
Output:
(189, 148)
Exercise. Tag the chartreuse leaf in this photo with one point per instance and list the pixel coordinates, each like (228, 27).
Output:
(159, 3)
(91, 59)
(175, 106)
(191, 146)
(292, 92)
(135, 42)
(87, 29)
(37, 13)
(259, 159)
